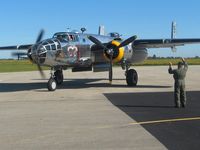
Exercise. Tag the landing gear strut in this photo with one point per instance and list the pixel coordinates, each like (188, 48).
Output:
(55, 79)
(58, 76)
(131, 75)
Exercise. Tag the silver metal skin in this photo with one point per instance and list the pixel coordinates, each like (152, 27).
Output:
(74, 49)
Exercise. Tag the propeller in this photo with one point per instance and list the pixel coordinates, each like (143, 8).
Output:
(111, 51)
(97, 42)
(111, 68)
(128, 41)
(41, 71)
(39, 38)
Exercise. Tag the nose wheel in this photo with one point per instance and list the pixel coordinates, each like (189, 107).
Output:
(58, 76)
(51, 85)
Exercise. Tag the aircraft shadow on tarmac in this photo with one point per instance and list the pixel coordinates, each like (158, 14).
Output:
(153, 106)
(68, 84)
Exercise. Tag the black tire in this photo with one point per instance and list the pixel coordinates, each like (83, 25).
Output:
(58, 76)
(131, 77)
(51, 85)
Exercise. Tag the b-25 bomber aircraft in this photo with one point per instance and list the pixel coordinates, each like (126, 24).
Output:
(91, 52)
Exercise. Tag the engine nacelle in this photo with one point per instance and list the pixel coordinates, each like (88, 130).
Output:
(135, 55)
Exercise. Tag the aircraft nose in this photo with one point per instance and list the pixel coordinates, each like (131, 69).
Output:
(38, 54)
(41, 49)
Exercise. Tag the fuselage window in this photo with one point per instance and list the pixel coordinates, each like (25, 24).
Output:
(48, 47)
(73, 38)
(58, 46)
(53, 47)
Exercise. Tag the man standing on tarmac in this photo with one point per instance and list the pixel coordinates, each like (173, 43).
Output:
(179, 84)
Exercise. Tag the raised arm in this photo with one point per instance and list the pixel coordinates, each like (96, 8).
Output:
(170, 70)
(185, 64)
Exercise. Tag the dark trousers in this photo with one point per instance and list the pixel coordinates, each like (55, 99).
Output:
(179, 93)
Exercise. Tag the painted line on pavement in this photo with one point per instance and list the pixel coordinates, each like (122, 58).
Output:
(151, 122)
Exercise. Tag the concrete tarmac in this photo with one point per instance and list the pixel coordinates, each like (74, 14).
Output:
(88, 113)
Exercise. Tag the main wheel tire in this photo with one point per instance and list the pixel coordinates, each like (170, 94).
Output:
(58, 76)
(131, 77)
(51, 85)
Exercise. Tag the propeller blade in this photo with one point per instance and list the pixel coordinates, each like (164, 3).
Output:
(127, 41)
(97, 42)
(110, 74)
(40, 36)
(110, 69)
(41, 71)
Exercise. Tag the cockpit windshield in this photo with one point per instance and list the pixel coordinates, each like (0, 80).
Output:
(66, 37)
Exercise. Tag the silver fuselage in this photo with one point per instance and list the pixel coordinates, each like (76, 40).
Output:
(71, 49)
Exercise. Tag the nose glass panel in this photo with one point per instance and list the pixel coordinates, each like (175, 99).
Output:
(41, 50)
(41, 54)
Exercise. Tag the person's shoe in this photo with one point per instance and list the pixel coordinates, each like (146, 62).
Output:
(177, 106)
(183, 105)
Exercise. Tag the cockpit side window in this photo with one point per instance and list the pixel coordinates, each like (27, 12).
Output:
(53, 47)
(73, 38)
(67, 37)
(48, 47)
(58, 46)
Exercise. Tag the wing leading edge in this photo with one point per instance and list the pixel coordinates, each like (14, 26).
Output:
(163, 43)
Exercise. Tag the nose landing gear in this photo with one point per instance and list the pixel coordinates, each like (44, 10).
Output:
(58, 76)
(51, 85)
(55, 79)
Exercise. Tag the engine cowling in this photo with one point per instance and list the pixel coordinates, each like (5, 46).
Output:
(118, 53)
(135, 55)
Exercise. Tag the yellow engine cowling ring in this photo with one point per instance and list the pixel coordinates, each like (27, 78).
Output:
(118, 52)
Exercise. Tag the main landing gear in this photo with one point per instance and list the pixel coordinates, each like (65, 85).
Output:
(55, 79)
(131, 75)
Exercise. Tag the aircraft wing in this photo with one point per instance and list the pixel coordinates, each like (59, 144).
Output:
(16, 47)
(162, 43)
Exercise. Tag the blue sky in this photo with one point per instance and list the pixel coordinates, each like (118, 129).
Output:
(21, 20)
